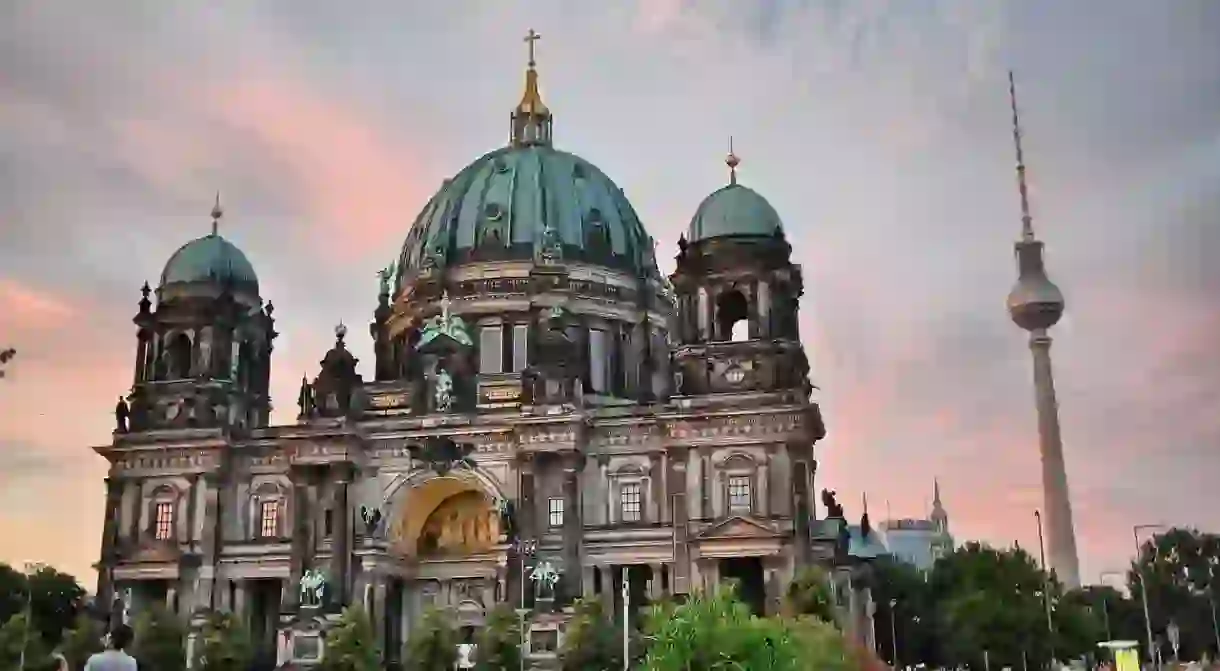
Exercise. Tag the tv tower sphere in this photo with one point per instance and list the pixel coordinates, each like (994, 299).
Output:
(1035, 302)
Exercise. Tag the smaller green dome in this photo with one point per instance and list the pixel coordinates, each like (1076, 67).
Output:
(209, 259)
(734, 210)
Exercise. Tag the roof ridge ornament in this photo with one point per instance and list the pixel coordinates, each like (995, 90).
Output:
(531, 120)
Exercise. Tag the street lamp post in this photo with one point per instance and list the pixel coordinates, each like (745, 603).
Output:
(1046, 588)
(894, 631)
(1105, 604)
(31, 568)
(525, 549)
(1135, 533)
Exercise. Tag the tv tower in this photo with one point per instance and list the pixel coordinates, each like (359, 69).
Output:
(1036, 304)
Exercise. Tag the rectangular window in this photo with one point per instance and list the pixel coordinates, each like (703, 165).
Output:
(555, 512)
(599, 360)
(629, 501)
(491, 350)
(739, 493)
(269, 519)
(163, 520)
(521, 334)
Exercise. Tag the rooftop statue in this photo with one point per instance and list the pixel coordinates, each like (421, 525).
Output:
(445, 324)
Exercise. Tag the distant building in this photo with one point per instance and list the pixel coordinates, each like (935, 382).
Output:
(919, 542)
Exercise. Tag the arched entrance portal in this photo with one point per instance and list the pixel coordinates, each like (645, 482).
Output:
(447, 516)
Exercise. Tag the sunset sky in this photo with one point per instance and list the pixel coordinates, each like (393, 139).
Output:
(879, 130)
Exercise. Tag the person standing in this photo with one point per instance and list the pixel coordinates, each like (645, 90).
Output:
(115, 657)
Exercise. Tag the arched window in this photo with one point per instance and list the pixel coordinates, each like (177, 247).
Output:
(738, 472)
(163, 513)
(179, 353)
(267, 511)
(732, 316)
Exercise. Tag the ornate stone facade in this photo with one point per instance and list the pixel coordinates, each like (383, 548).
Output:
(540, 393)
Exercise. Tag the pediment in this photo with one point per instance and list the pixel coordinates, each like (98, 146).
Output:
(739, 527)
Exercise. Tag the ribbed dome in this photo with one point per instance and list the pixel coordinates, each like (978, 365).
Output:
(734, 210)
(210, 259)
(516, 202)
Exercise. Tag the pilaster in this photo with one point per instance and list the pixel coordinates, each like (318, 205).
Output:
(573, 527)
(340, 543)
(110, 539)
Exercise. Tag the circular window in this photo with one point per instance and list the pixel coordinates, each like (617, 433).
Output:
(578, 171)
(493, 212)
(735, 375)
(501, 166)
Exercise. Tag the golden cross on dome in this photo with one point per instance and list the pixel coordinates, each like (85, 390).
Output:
(530, 39)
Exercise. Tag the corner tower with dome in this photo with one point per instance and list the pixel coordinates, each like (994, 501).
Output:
(546, 417)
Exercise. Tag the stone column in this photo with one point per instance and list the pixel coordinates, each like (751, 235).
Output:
(137, 510)
(340, 543)
(655, 592)
(210, 540)
(656, 495)
(241, 598)
(604, 467)
(772, 587)
(110, 541)
(802, 505)
(586, 580)
(764, 486)
(141, 356)
(705, 483)
(302, 534)
(607, 594)
(378, 615)
(676, 496)
(572, 526)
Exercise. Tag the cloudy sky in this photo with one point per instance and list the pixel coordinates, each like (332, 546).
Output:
(879, 130)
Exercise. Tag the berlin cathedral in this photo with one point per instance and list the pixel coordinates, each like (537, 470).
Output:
(548, 417)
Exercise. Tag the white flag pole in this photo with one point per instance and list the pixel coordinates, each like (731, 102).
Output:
(626, 621)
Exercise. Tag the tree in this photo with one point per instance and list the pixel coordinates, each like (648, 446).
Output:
(12, 592)
(160, 640)
(16, 638)
(809, 594)
(991, 603)
(499, 643)
(823, 647)
(591, 642)
(351, 645)
(56, 599)
(433, 644)
(718, 632)
(1179, 567)
(905, 614)
(224, 644)
(81, 641)
(6, 355)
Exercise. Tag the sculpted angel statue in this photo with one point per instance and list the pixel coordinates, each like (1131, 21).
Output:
(545, 576)
(445, 324)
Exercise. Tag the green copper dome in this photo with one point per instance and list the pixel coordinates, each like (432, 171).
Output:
(528, 201)
(210, 259)
(734, 210)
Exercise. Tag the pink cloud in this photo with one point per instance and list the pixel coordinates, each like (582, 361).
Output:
(358, 185)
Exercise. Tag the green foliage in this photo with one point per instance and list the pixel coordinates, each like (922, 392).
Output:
(592, 642)
(224, 644)
(905, 613)
(822, 646)
(433, 644)
(160, 641)
(809, 594)
(352, 644)
(719, 632)
(1180, 567)
(56, 600)
(16, 635)
(82, 640)
(499, 643)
